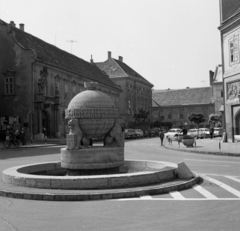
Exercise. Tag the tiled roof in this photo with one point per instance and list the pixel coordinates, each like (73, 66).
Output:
(52, 55)
(189, 96)
(115, 68)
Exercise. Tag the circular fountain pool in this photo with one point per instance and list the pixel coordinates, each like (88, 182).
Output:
(50, 175)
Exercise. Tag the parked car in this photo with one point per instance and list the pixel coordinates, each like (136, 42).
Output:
(193, 132)
(173, 133)
(204, 133)
(217, 132)
(139, 133)
(130, 133)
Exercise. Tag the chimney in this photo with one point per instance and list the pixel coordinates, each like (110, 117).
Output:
(120, 58)
(91, 60)
(109, 55)
(211, 74)
(21, 26)
(12, 24)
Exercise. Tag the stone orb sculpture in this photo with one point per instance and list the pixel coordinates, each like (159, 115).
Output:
(94, 110)
(92, 114)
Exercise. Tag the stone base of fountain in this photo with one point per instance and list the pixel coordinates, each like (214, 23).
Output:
(92, 158)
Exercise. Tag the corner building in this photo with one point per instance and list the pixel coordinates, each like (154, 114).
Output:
(230, 45)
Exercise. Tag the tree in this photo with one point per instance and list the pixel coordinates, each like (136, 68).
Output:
(141, 116)
(214, 118)
(196, 118)
(157, 124)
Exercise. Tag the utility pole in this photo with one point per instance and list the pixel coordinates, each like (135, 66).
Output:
(71, 41)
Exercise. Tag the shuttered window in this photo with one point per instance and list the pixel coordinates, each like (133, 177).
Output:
(8, 85)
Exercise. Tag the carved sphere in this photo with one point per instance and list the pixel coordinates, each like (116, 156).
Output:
(95, 112)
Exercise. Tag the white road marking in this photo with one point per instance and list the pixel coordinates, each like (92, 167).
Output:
(146, 197)
(185, 199)
(209, 164)
(233, 178)
(177, 195)
(204, 192)
(222, 185)
(233, 162)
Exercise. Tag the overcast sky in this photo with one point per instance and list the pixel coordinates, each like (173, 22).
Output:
(171, 43)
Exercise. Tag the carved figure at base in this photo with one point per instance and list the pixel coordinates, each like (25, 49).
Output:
(76, 138)
(75, 135)
(115, 137)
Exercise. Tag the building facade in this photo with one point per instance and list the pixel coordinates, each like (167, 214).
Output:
(216, 81)
(38, 80)
(137, 91)
(230, 35)
(175, 105)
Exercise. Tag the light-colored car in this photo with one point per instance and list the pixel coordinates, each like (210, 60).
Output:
(193, 132)
(139, 133)
(130, 133)
(204, 133)
(173, 133)
(217, 132)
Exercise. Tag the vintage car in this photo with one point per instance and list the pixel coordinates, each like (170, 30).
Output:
(139, 133)
(193, 133)
(130, 133)
(204, 133)
(217, 132)
(173, 133)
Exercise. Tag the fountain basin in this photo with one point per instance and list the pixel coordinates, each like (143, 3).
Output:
(139, 173)
(92, 158)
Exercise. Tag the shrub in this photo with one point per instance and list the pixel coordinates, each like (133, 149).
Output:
(187, 137)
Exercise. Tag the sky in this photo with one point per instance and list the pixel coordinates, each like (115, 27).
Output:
(171, 43)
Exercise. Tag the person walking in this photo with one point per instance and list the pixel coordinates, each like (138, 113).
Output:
(45, 134)
(23, 134)
(211, 132)
(161, 135)
(184, 131)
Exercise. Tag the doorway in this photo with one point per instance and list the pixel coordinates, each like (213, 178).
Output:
(45, 121)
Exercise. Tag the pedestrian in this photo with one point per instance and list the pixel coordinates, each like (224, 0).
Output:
(45, 134)
(23, 134)
(211, 132)
(161, 135)
(17, 134)
(184, 131)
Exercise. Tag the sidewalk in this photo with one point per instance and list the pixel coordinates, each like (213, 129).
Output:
(40, 143)
(208, 146)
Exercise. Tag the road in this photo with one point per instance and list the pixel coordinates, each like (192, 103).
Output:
(214, 204)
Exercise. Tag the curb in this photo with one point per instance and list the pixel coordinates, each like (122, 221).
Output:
(30, 146)
(127, 193)
(205, 152)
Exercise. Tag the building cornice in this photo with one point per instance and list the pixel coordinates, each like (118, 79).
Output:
(230, 22)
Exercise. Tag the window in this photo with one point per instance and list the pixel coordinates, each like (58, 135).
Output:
(221, 93)
(180, 116)
(162, 117)
(66, 91)
(169, 116)
(8, 84)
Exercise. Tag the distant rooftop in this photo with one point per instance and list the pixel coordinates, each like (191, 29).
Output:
(187, 96)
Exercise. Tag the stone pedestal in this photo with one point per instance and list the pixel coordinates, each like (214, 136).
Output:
(92, 158)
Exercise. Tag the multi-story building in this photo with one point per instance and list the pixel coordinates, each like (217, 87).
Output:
(230, 38)
(216, 81)
(38, 80)
(137, 91)
(175, 105)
